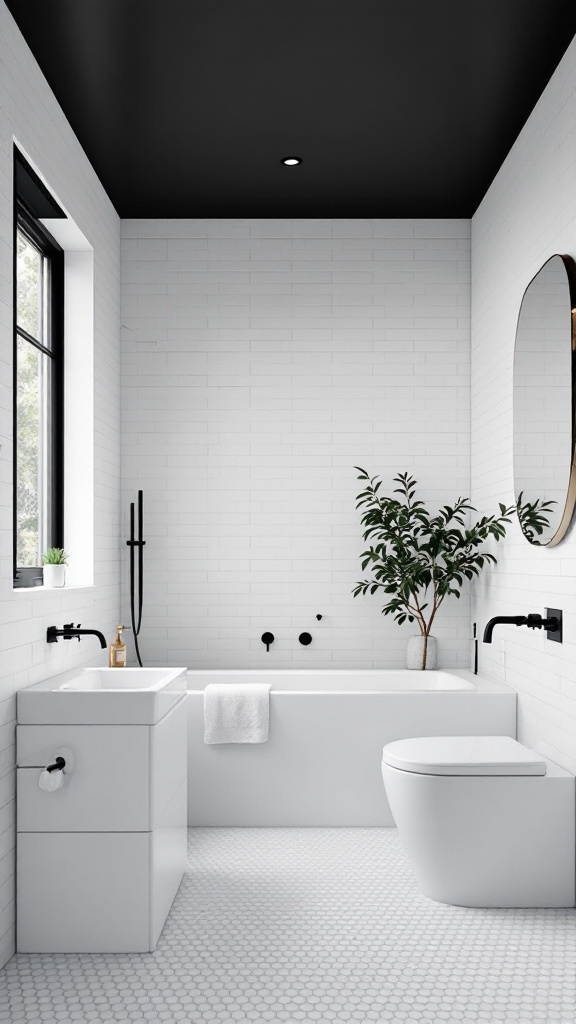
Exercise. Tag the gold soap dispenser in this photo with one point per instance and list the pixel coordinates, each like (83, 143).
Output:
(117, 651)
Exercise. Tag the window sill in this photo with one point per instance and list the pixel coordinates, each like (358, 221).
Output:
(53, 590)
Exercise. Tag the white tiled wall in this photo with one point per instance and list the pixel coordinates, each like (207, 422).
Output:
(528, 214)
(262, 360)
(30, 114)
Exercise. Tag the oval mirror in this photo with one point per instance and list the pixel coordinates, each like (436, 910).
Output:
(544, 398)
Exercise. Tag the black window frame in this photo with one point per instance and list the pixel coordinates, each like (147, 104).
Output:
(26, 221)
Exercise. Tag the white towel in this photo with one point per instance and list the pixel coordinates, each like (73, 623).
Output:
(236, 712)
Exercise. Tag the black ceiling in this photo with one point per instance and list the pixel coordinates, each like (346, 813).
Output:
(399, 108)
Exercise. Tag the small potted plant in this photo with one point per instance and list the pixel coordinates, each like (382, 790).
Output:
(54, 561)
(417, 559)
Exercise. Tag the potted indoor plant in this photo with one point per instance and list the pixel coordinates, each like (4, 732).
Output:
(54, 561)
(418, 558)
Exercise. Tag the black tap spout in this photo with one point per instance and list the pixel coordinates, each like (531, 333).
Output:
(69, 631)
(533, 621)
(91, 632)
(507, 620)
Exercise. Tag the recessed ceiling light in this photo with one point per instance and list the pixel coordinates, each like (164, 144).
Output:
(291, 161)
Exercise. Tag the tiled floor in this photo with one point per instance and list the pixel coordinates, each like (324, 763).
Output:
(311, 925)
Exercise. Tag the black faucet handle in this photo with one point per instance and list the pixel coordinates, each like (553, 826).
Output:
(267, 638)
(68, 631)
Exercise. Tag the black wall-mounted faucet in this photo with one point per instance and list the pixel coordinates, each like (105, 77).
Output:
(267, 638)
(69, 631)
(533, 621)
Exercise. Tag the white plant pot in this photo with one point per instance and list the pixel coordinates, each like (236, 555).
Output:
(54, 575)
(415, 651)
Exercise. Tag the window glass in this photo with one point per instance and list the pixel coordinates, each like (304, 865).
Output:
(30, 290)
(32, 469)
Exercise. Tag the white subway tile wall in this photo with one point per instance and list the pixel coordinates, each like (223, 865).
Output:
(528, 215)
(262, 361)
(30, 114)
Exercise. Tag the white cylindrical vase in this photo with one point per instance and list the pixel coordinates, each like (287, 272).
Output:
(415, 652)
(54, 575)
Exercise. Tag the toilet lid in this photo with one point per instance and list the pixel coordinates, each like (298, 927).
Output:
(463, 755)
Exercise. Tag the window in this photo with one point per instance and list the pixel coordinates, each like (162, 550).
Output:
(38, 392)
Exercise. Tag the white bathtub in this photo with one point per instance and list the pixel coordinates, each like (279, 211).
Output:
(321, 764)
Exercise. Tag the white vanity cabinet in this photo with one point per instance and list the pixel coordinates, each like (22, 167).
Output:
(99, 860)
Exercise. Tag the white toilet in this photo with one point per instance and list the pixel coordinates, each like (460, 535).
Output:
(485, 821)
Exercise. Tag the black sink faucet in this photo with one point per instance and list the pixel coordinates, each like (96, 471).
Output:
(533, 621)
(70, 630)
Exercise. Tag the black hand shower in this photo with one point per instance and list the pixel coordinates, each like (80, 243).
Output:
(136, 543)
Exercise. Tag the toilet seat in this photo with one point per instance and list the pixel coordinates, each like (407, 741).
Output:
(463, 755)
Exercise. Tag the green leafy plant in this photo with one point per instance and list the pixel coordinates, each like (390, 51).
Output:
(418, 558)
(55, 556)
(533, 517)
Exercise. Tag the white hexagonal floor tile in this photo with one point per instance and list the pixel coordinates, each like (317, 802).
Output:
(322, 925)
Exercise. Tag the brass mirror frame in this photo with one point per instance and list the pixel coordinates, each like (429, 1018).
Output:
(570, 503)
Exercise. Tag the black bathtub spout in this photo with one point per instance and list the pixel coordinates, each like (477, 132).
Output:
(533, 621)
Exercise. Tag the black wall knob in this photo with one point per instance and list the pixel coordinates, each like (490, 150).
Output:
(267, 638)
(305, 639)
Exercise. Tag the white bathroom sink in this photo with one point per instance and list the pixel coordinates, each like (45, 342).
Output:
(102, 696)
(116, 679)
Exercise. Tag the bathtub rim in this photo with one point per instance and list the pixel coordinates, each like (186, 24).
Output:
(479, 683)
